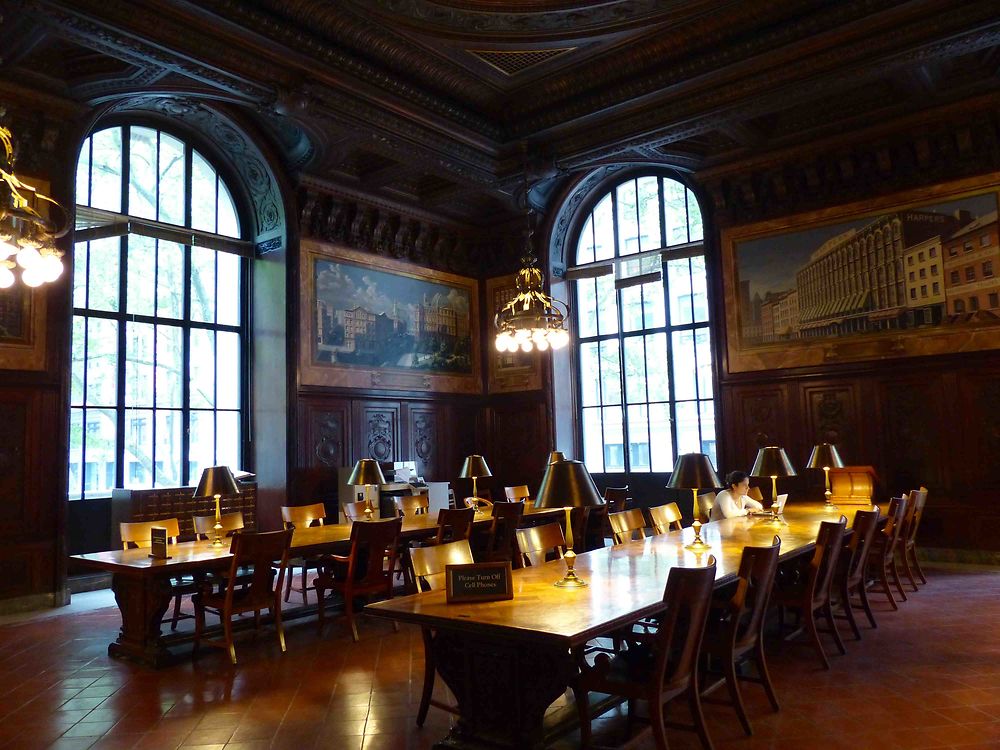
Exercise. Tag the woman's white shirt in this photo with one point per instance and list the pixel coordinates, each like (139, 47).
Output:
(727, 506)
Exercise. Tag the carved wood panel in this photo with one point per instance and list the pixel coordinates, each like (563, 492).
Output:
(520, 445)
(376, 431)
(324, 446)
(425, 425)
(978, 440)
(912, 444)
(832, 414)
(760, 417)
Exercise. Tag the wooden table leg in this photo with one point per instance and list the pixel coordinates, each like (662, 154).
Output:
(503, 689)
(142, 600)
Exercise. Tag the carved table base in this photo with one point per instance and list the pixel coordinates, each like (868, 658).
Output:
(142, 601)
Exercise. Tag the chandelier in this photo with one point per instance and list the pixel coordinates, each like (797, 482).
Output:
(27, 239)
(532, 319)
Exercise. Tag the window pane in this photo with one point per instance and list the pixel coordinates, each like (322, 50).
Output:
(607, 305)
(80, 274)
(688, 440)
(614, 439)
(167, 456)
(593, 440)
(679, 289)
(604, 230)
(632, 308)
(83, 175)
(586, 304)
(649, 213)
(142, 173)
(611, 374)
(589, 375)
(75, 481)
(652, 305)
(169, 279)
(638, 439)
(139, 352)
(660, 441)
(227, 367)
(202, 378)
(203, 285)
(227, 442)
(106, 170)
(704, 352)
(201, 453)
(99, 462)
(682, 351)
(138, 448)
(585, 247)
(635, 370)
(699, 291)
(169, 367)
(228, 295)
(202, 194)
(694, 219)
(79, 361)
(628, 221)
(172, 174)
(140, 292)
(105, 259)
(102, 362)
(229, 223)
(658, 376)
(707, 409)
(675, 212)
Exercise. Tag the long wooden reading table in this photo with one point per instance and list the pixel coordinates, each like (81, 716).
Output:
(142, 585)
(507, 661)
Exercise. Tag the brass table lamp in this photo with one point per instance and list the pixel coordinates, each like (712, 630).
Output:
(773, 462)
(694, 471)
(568, 484)
(215, 482)
(474, 467)
(366, 472)
(825, 456)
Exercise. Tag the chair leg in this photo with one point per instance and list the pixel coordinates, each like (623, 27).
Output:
(732, 683)
(199, 626)
(845, 598)
(583, 712)
(288, 583)
(657, 722)
(305, 581)
(278, 624)
(227, 630)
(828, 614)
(428, 689)
(895, 578)
(320, 608)
(349, 611)
(765, 676)
(916, 565)
(863, 591)
(694, 700)
(907, 569)
(810, 618)
(883, 577)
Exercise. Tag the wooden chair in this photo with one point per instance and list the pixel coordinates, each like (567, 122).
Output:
(882, 559)
(626, 524)
(363, 571)
(908, 542)
(812, 593)
(706, 502)
(263, 591)
(137, 535)
(663, 667)
(429, 564)
(615, 499)
(518, 494)
(535, 543)
(500, 542)
(204, 526)
(665, 518)
(411, 505)
(735, 631)
(356, 511)
(301, 517)
(454, 524)
(850, 578)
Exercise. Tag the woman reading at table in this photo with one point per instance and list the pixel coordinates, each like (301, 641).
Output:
(733, 500)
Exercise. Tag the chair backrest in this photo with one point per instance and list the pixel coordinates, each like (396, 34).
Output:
(626, 524)
(411, 505)
(429, 562)
(301, 516)
(204, 526)
(829, 540)
(615, 497)
(517, 494)
(506, 519)
(454, 524)
(687, 596)
(706, 502)
(372, 543)
(137, 534)
(355, 511)
(856, 553)
(749, 602)
(536, 542)
(894, 525)
(665, 518)
(257, 552)
(918, 499)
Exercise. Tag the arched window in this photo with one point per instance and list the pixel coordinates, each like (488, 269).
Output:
(645, 356)
(159, 316)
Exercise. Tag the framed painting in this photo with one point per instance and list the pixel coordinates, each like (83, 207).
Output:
(374, 322)
(909, 275)
(509, 371)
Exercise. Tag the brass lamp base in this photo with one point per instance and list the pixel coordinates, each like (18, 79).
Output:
(829, 507)
(697, 546)
(570, 581)
(217, 540)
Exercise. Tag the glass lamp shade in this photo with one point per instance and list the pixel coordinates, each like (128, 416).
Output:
(366, 471)
(772, 462)
(216, 480)
(693, 471)
(567, 484)
(825, 456)
(474, 467)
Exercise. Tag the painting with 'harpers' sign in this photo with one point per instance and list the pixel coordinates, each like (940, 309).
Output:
(377, 322)
(919, 277)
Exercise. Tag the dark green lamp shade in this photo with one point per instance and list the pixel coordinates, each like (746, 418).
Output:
(366, 471)
(825, 456)
(474, 467)
(216, 480)
(772, 462)
(693, 471)
(567, 484)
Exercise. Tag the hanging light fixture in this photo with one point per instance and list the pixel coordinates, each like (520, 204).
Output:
(532, 319)
(27, 239)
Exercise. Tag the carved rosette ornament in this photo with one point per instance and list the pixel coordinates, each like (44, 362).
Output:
(329, 431)
(380, 437)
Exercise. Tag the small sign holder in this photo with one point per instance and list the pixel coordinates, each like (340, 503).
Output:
(158, 543)
(479, 582)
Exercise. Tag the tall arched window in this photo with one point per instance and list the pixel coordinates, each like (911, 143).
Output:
(645, 358)
(159, 316)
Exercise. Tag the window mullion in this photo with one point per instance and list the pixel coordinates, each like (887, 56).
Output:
(668, 345)
(185, 476)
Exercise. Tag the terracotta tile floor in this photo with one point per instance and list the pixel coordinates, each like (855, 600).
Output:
(929, 677)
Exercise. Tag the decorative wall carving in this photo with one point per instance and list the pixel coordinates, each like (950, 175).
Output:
(328, 438)
(832, 416)
(380, 437)
(424, 439)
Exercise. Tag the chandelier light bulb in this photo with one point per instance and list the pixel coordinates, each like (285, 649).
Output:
(33, 276)
(6, 277)
(526, 345)
(51, 267)
(7, 249)
(543, 344)
(28, 257)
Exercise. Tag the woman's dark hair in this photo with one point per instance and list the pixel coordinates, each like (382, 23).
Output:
(733, 478)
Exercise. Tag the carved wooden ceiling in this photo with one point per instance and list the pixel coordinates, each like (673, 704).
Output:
(427, 104)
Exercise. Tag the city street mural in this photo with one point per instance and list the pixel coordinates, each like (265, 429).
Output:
(811, 295)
